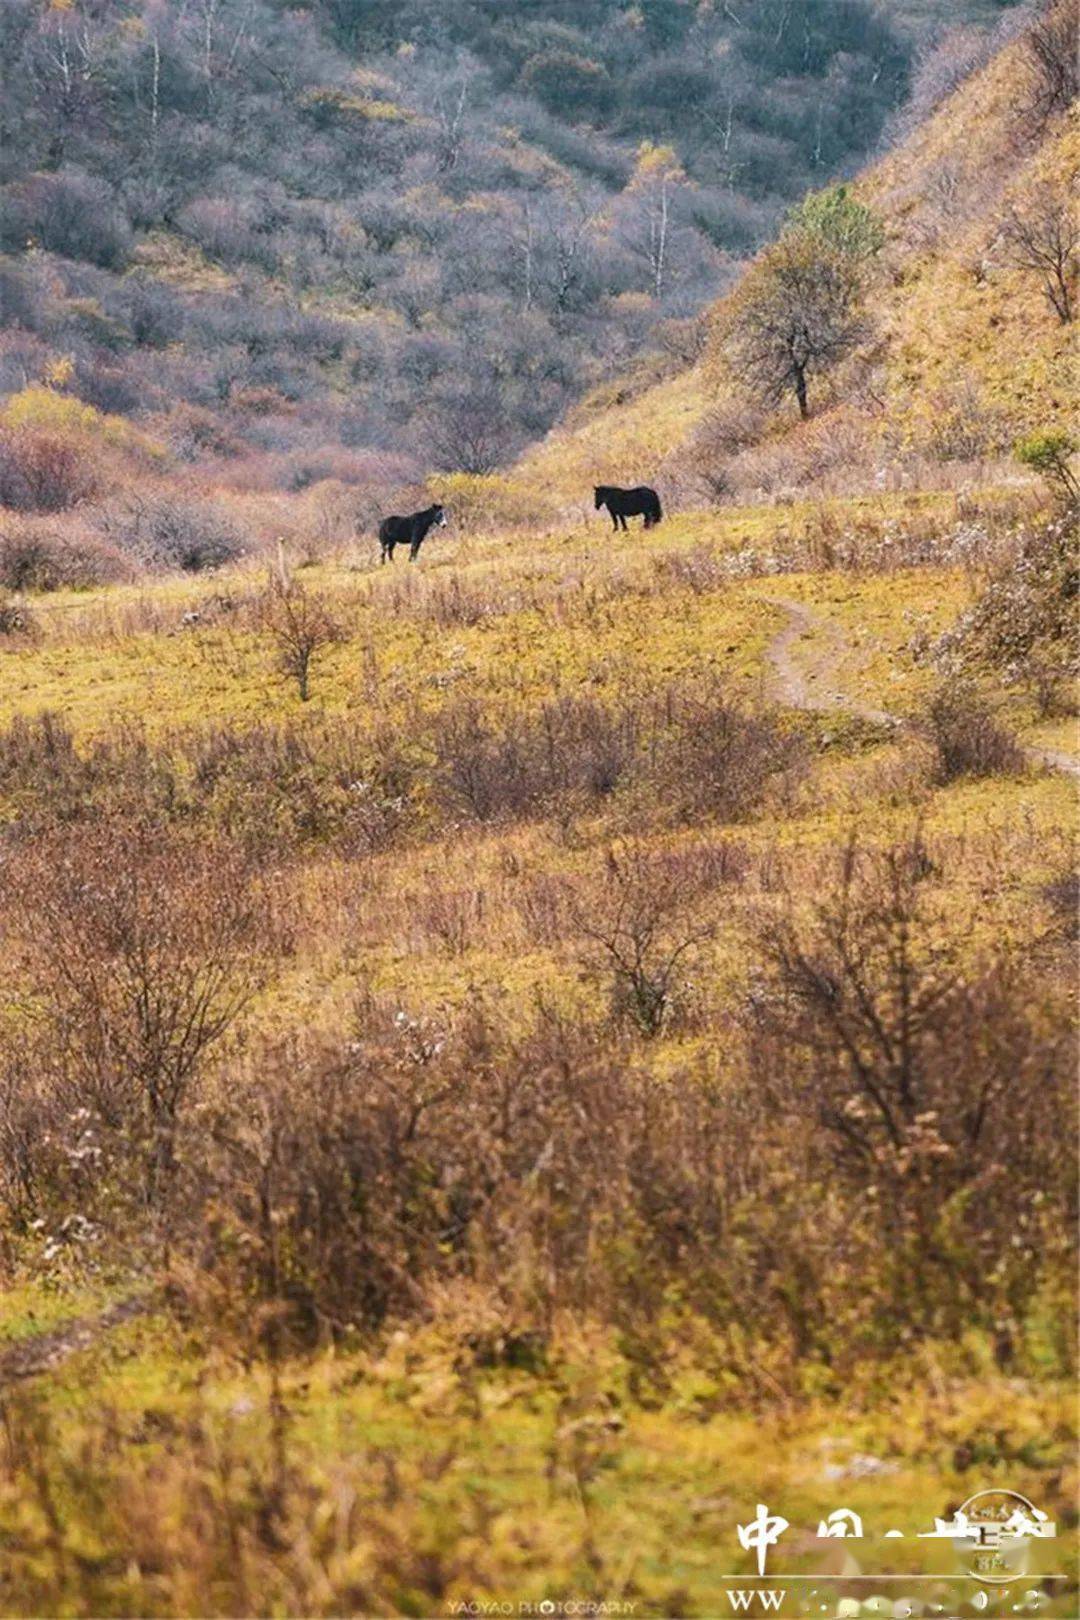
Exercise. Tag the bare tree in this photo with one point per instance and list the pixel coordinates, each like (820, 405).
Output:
(649, 202)
(469, 429)
(300, 625)
(562, 229)
(141, 955)
(450, 122)
(1043, 235)
(69, 77)
(1053, 76)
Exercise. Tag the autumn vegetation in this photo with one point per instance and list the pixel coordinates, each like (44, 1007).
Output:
(545, 1043)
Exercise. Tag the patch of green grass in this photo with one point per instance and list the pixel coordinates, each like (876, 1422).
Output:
(405, 1479)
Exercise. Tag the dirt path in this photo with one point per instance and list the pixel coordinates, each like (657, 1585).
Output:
(41, 1352)
(809, 683)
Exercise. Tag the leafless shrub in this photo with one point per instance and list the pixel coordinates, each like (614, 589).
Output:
(686, 750)
(1042, 234)
(709, 758)
(967, 737)
(273, 789)
(1062, 896)
(42, 472)
(1023, 624)
(639, 917)
(927, 1063)
(449, 602)
(701, 568)
(140, 954)
(358, 1179)
(483, 772)
(17, 618)
(725, 431)
(453, 916)
(1051, 75)
(964, 426)
(39, 556)
(167, 530)
(300, 625)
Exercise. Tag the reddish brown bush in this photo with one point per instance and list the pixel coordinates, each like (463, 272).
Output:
(41, 472)
(937, 1075)
(36, 556)
(300, 626)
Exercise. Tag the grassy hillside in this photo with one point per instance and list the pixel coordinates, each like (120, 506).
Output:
(963, 356)
(509, 1061)
(450, 1267)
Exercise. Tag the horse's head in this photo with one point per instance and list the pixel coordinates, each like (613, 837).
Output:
(438, 515)
(598, 496)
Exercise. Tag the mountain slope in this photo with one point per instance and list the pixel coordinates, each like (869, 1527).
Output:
(965, 352)
(359, 241)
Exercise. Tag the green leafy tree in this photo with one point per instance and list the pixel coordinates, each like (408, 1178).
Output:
(839, 224)
(800, 310)
(1049, 453)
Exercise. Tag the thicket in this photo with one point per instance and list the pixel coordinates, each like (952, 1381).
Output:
(875, 1155)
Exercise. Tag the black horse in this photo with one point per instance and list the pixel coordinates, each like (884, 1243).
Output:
(624, 503)
(411, 531)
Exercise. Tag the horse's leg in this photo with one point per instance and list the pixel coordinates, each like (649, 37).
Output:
(614, 519)
(414, 551)
(623, 523)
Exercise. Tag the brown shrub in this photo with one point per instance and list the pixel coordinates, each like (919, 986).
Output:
(937, 1074)
(42, 472)
(709, 758)
(300, 626)
(1062, 896)
(275, 789)
(700, 568)
(1024, 623)
(17, 619)
(644, 918)
(138, 953)
(37, 556)
(166, 530)
(967, 737)
(685, 750)
(550, 1169)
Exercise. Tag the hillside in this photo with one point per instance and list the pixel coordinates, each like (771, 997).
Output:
(510, 1060)
(963, 357)
(340, 247)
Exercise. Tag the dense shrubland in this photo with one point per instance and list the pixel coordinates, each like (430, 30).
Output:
(738, 1064)
(863, 1133)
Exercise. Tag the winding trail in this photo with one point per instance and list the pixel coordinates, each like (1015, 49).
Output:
(810, 683)
(41, 1352)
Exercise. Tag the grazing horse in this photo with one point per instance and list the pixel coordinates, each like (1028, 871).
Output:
(411, 530)
(624, 503)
